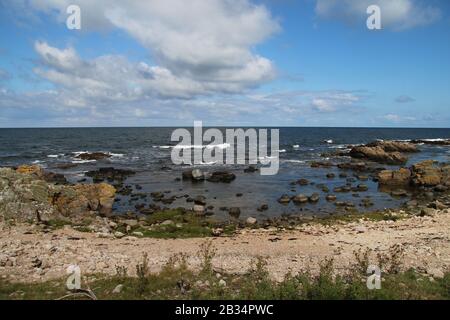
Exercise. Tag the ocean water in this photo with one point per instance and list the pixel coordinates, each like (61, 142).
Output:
(147, 151)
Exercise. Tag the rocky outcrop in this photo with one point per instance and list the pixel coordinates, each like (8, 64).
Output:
(388, 152)
(26, 196)
(428, 173)
(82, 198)
(423, 174)
(41, 174)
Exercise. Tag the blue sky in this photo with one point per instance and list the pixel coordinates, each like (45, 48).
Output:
(235, 63)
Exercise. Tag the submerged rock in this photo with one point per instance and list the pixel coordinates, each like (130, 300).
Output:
(300, 198)
(110, 174)
(221, 176)
(93, 156)
(235, 212)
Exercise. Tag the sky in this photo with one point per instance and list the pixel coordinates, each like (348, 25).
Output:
(225, 62)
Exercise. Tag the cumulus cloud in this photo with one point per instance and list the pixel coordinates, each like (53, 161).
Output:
(199, 46)
(395, 14)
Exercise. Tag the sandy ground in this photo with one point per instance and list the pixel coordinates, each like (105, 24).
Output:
(29, 255)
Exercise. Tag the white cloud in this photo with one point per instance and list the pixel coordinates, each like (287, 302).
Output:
(395, 14)
(199, 46)
(398, 118)
(404, 99)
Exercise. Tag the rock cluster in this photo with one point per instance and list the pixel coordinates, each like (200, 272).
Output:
(26, 196)
(423, 174)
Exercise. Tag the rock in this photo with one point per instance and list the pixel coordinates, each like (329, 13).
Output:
(221, 176)
(438, 205)
(366, 203)
(93, 156)
(200, 200)
(284, 199)
(34, 170)
(167, 223)
(427, 212)
(251, 221)
(199, 210)
(250, 169)
(26, 196)
(394, 178)
(263, 207)
(109, 174)
(440, 188)
(118, 289)
(130, 222)
(321, 164)
(303, 182)
(119, 234)
(331, 197)
(300, 198)
(354, 166)
(399, 193)
(197, 175)
(362, 187)
(216, 232)
(360, 229)
(222, 283)
(426, 173)
(137, 234)
(330, 175)
(389, 152)
(314, 198)
(378, 154)
(235, 212)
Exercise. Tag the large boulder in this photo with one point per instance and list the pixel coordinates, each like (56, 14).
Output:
(427, 173)
(400, 177)
(378, 154)
(83, 198)
(388, 152)
(394, 146)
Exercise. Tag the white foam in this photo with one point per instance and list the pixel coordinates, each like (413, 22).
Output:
(294, 161)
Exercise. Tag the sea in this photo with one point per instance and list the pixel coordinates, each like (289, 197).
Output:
(148, 152)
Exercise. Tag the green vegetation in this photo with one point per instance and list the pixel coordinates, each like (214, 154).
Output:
(178, 224)
(177, 281)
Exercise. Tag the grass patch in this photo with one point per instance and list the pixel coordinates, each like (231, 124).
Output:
(182, 225)
(177, 281)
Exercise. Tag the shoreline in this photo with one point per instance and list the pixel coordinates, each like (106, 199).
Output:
(425, 243)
